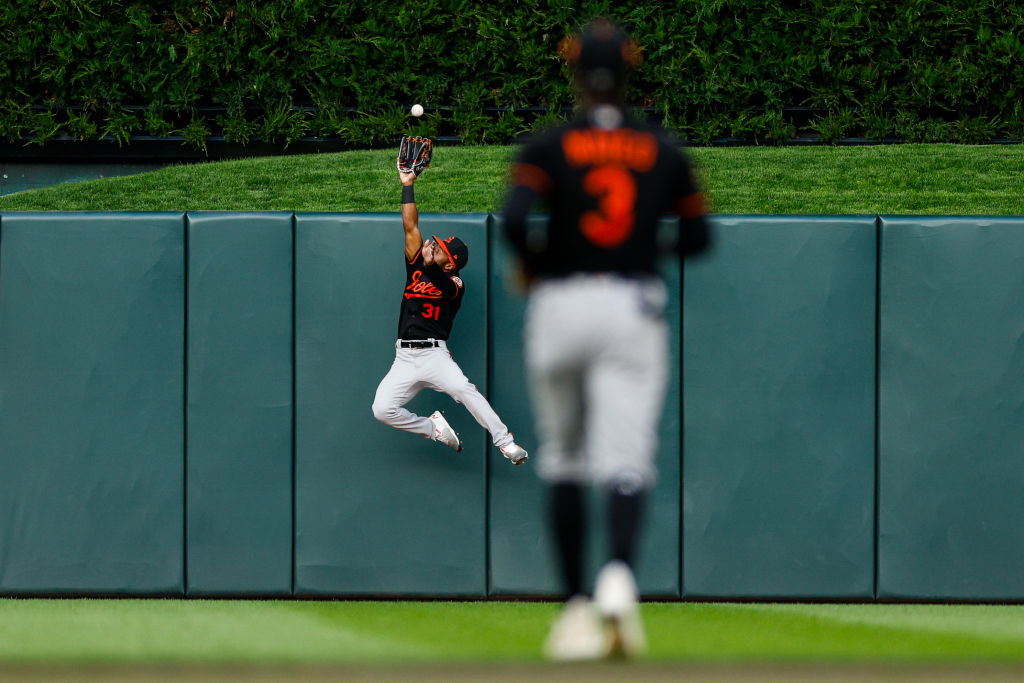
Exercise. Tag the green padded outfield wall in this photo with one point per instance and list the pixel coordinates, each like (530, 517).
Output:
(779, 410)
(147, 441)
(951, 409)
(239, 440)
(91, 403)
(379, 510)
(522, 560)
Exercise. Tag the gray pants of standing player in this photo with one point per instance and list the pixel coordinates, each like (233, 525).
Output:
(434, 368)
(596, 356)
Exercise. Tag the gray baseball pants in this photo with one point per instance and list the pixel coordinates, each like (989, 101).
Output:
(434, 368)
(596, 357)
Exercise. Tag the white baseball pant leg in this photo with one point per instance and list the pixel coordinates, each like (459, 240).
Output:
(597, 359)
(433, 368)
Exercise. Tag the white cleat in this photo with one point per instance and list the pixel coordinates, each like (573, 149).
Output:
(444, 433)
(617, 601)
(577, 634)
(517, 455)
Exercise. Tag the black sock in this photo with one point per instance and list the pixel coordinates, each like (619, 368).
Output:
(568, 517)
(624, 524)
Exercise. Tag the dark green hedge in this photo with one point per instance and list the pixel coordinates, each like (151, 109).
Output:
(280, 70)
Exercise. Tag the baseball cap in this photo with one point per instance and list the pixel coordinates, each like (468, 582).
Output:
(455, 249)
(602, 53)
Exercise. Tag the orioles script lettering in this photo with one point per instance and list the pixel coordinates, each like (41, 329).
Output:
(421, 288)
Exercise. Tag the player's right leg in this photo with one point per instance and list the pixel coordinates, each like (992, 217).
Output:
(444, 374)
(625, 394)
(617, 600)
(397, 388)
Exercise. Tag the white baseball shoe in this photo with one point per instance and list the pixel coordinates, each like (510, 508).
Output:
(516, 454)
(617, 601)
(444, 433)
(577, 634)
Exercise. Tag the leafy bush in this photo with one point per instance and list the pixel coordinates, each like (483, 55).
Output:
(284, 69)
(81, 126)
(835, 125)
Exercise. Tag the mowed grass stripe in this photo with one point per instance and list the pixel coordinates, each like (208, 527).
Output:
(210, 632)
(173, 631)
(444, 631)
(997, 622)
(836, 633)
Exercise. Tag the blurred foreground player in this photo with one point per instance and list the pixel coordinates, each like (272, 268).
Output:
(595, 331)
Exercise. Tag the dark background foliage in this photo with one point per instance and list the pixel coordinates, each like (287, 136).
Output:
(714, 70)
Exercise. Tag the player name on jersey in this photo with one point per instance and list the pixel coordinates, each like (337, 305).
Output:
(637, 150)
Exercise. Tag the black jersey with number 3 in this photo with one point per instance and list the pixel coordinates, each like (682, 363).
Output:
(606, 189)
(431, 299)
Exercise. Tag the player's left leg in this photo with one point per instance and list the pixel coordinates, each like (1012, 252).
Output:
(445, 375)
(557, 334)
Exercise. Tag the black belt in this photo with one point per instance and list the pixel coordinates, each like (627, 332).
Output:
(418, 343)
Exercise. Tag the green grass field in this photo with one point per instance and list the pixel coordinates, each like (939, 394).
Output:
(900, 179)
(55, 636)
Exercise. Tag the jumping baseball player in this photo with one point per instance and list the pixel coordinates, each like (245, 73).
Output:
(433, 294)
(596, 336)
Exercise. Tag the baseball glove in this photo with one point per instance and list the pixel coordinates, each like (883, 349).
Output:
(414, 154)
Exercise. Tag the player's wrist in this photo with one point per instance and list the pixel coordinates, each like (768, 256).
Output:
(408, 196)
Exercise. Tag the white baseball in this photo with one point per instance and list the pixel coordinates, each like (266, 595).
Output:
(417, 110)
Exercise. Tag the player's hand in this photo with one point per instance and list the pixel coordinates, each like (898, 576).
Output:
(407, 177)
(428, 252)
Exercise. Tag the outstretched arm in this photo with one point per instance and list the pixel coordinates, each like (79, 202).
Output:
(414, 154)
(410, 217)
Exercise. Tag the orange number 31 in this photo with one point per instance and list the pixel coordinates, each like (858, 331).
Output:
(615, 190)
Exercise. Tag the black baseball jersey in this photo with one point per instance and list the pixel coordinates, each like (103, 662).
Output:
(431, 299)
(606, 190)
